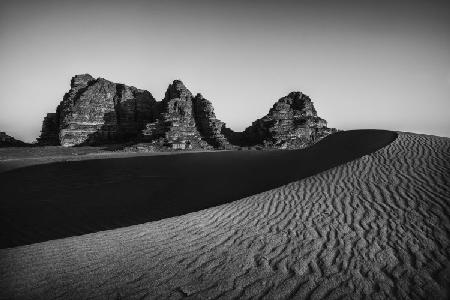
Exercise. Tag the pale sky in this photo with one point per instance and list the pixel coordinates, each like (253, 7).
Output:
(365, 64)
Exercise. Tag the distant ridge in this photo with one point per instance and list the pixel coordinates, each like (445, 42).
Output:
(98, 111)
(9, 141)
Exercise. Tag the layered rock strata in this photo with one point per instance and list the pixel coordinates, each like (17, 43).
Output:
(292, 123)
(209, 126)
(100, 111)
(175, 126)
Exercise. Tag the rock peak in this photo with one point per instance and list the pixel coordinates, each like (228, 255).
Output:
(80, 80)
(177, 90)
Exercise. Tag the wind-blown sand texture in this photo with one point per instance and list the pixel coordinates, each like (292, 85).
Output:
(376, 227)
(62, 199)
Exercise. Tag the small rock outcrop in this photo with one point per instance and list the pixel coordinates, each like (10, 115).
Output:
(99, 111)
(9, 141)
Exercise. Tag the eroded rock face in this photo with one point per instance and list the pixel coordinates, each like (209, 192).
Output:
(292, 123)
(9, 141)
(209, 126)
(98, 111)
(50, 131)
(175, 126)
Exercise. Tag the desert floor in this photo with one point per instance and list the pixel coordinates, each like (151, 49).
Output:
(349, 225)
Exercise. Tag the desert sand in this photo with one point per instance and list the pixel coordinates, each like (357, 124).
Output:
(67, 198)
(375, 227)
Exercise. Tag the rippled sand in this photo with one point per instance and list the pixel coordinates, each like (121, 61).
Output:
(376, 227)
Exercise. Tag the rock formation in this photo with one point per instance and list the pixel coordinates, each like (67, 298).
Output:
(292, 123)
(175, 126)
(50, 131)
(209, 126)
(99, 111)
(9, 141)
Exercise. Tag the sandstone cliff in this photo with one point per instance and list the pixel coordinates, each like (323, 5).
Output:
(185, 122)
(175, 125)
(292, 123)
(209, 126)
(99, 111)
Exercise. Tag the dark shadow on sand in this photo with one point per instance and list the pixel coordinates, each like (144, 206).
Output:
(63, 199)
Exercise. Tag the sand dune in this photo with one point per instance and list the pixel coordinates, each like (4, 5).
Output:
(376, 227)
(63, 199)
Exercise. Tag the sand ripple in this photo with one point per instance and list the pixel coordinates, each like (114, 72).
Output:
(377, 227)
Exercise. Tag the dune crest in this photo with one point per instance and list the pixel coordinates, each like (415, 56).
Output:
(375, 227)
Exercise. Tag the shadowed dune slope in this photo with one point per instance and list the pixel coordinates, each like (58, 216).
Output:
(377, 227)
(63, 199)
